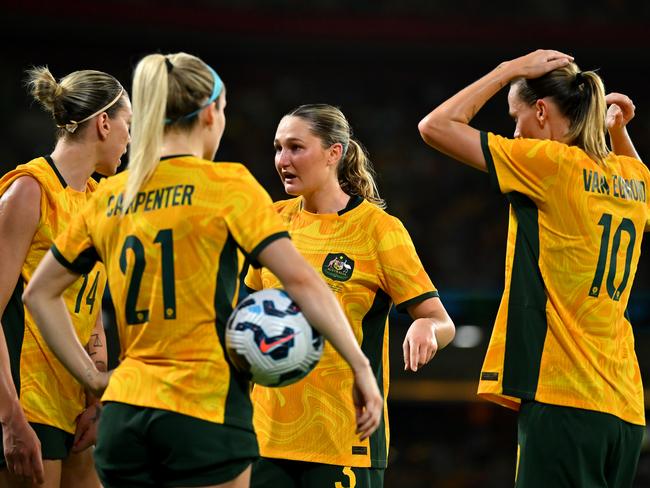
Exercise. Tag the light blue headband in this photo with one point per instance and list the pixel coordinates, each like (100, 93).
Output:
(216, 91)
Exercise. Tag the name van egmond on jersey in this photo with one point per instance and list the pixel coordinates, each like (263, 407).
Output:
(620, 187)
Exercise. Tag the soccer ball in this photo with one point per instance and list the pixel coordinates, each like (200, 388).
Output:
(269, 340)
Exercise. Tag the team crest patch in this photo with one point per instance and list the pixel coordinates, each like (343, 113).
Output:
(338, 266)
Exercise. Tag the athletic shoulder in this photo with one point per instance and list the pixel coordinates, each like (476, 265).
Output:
(20, 204)
(24, 188)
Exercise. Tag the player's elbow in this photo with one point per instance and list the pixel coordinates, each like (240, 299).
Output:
(30, 296)
(431, 129)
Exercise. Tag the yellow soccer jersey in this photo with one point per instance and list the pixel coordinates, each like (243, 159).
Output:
(48, 393)
(173, 264)
(368, 260)
(562, 335)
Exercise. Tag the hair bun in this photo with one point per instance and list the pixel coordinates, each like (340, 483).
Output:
(46, 90)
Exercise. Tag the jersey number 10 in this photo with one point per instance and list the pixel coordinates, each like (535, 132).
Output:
(626, 226)
(166, 241)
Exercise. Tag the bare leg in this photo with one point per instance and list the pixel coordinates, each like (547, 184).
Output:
(78, 470)
(52, 471)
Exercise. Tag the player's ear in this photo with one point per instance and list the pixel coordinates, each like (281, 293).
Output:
(208, 114)
(103, 126)
(541, 112)
(334, 153)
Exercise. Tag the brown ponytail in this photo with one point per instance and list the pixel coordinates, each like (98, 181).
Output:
(355, 172)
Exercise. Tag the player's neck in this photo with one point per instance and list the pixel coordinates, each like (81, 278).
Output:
(75, 162)
(325, 200)
(177, 142)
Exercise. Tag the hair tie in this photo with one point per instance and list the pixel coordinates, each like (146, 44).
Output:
(579, 79)
(344, 152)
(169, 65)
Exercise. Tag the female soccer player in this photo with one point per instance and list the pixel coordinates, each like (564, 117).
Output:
(44, 411)
(562, 349)
(169, 231)
(307, 430)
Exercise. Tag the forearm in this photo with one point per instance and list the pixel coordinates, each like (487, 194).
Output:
(9, 403)
(97, 346)
(55, 325)
(621, 142)
(98, 353)
(447, 127)
(464, 105)
(444, 330)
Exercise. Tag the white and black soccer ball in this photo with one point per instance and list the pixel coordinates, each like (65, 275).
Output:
(269, 339)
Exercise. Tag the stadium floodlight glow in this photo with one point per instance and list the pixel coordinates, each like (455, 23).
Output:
(468, 336)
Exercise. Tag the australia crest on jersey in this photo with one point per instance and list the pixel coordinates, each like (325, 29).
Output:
(338, 266)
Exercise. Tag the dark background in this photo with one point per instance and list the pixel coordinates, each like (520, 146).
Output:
(386, 63)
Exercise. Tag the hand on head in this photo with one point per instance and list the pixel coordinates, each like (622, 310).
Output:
(538, 63)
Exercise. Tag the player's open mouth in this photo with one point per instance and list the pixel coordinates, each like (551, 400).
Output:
(288, 177)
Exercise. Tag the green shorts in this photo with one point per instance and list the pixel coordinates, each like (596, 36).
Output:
(283, 473)
(147, 447)
(572, 447)
(55, 443)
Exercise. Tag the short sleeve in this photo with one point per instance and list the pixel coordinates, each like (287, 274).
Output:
(74, 247)
(402, 274)
(251, 218)
(526, 166)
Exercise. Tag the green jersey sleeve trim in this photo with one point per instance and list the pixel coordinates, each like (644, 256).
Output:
(262, 245)
(418, 299)
(82, 265)
(489, 161)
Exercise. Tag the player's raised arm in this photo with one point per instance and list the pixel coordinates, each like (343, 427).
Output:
(447, 127)
(620, 112)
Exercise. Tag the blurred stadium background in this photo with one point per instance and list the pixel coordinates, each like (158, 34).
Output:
(386, 63)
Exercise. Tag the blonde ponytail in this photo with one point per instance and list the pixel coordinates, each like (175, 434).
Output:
(588, 130)
(355, 172)
(168, 94)
(150, 86)
(580, 96)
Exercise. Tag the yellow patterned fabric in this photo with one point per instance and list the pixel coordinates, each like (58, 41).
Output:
(48, 393)
(368, 260)
(562, 335)
(173, 264)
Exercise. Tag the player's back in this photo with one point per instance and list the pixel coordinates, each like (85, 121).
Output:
(172, 258)
(590, 229)
(561, 335)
